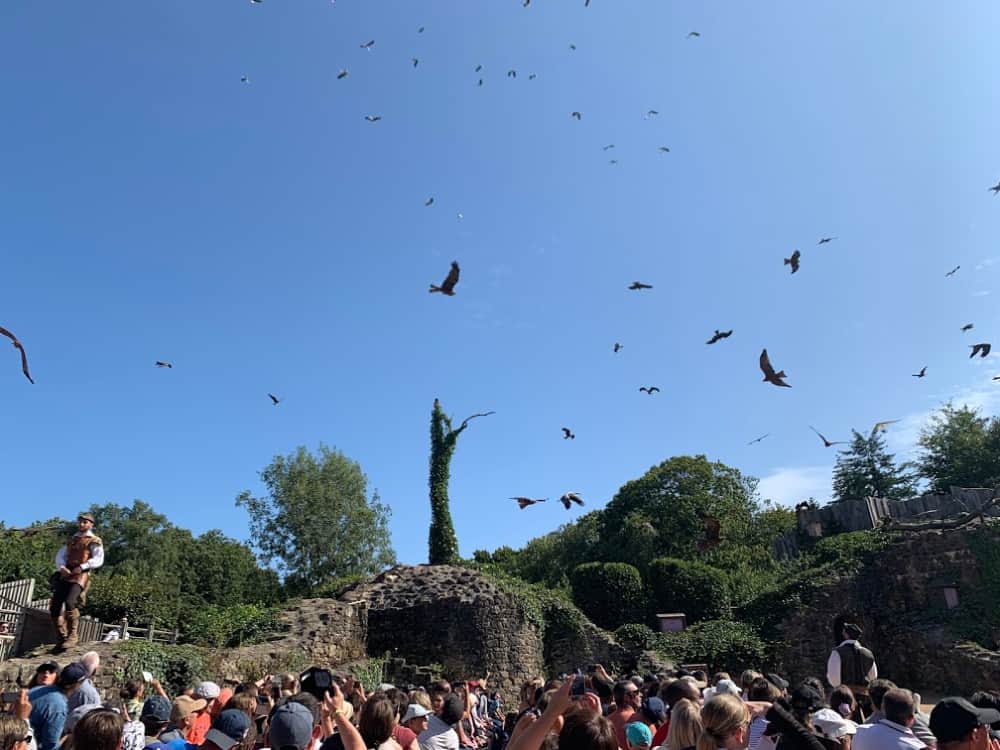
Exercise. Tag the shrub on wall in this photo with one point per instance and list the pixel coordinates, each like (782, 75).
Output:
(698, 590)
(610, 594)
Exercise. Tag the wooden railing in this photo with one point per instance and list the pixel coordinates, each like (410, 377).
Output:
(147, 633)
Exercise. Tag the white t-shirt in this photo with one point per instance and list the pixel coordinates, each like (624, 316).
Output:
(437, 736)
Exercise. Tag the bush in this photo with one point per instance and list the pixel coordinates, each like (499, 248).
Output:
(177, 667)
(610, 594)
(698, 590)
(218, 627)
(110, 598)
(636, 637)
(722, 644)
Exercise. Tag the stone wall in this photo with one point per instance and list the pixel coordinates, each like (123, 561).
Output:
(901, 605)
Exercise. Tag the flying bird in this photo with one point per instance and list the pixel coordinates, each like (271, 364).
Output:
(274, 399)
(586, 3)
(429, 201)
(342, 74)
(636, 285)
(568, 434)
(368, 45)
(612, 161)
(651, 113)
(532, 77)
(826, 443)
(713, 533)
(757, 440)
(770, 376)
(881, 426)
(526, 3)
(479, 68)
(158, 363)
(480, 82)
(793, 261)
(693, 34)
(420, 30)
(524, 502)
(573, 47)
(952, 271)
(922, 373)
(244, 79)
(967, 327)
(448, 285)
(256, 2)
(719, 335)
(415, 61)
(618, 347)
(982, 350)
(663, 150)
(650, 390)
(571, 497)
(609, 146)
(996, 188)
(20, 348)
(373, 118)
(577, 115)
(512, 73)
(824, 240)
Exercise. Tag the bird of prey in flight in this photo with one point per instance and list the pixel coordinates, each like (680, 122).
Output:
(368, 45)
(158, 363)
(524, 502)
(649, 390)
(663, 150)
(967, 327)
(770, 376)
(20, 348)
(373, 118)
(952, 271)
(922, 373)
(637, 285)
(568, 434)
(448, 285)
(571, 497)
(342, 74)
(826, 443)
(982, 350)
(719, 335)
(881, 426)
(429, 201)
(274, 399)
(577, 115)
(693, 34)
(824, 240)
(757, 440)
(793, 261)
(618, 347)
(996, 188)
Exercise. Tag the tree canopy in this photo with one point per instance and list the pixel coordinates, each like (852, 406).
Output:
(960, 448)
(317, 521)
(867, 469)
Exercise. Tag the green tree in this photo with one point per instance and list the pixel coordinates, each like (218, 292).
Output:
(698, 590)
(442, 542)
(960, 448)
(31, 552)
(316, 521)
(610, 594)
(669, 504)
(867, 469)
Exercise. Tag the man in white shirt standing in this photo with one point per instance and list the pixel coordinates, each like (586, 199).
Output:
(82, 553)
(893, 732)
(852, 664)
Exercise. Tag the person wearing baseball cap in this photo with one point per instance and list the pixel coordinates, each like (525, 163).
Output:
(155, 715)
(958, 725)
(50, 706)
(228, 730)
(216, 698)
(183, 712)
(45, 674)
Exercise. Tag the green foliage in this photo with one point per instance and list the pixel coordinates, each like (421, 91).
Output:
(230, 626)
(371, 672)
(177, 667)
(141, 600)
(29, 553)
(610, 594)
(551, 611)
(977, 618)
(723, 644)
(635, 637)
(698, 590)
(335, 587)
(442, 543)
(867, 469)
(960, 448)
(316, 521)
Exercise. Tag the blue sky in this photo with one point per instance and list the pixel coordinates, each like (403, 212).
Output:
(264, 237)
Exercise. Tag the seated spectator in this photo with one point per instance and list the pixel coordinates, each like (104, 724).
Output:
(15, 734)
(893, 731)
(958, 725)
(46, 674)
(638, 736)
(377, 722)
(725, 724)
(100, 729)
(685, 726)
(416, 718)
(50, 706)
(229, 730)
(440, 733)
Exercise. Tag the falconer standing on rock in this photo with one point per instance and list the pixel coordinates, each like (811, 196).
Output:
(82, 553)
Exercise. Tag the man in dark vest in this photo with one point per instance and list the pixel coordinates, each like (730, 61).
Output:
(851, 664)
(82, 553)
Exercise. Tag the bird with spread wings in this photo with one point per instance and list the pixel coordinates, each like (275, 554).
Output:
(448, 285)
(20, 347)
(770, 376)
(524, 502)
(827, 443)
(571, 497)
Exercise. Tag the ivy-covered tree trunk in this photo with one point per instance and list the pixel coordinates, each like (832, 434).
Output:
(443, 544)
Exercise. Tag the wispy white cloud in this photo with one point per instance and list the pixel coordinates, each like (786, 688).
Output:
(981, 293)
(987, 262)
(788, 485)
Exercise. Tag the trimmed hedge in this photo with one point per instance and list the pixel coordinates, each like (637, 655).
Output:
(610, 594)
(698, 590)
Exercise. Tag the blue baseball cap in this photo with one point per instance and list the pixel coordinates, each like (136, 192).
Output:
(228, 729)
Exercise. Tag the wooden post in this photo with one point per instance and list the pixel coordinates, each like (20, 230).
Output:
(124, 628)
(151, 623)
(177, 635)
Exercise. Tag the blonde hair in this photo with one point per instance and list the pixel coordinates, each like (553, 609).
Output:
(720, 718)
(748, 677)
(685, 725)
(421, 698)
